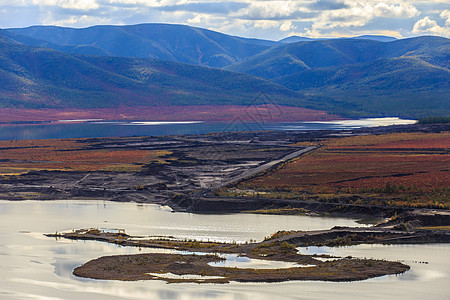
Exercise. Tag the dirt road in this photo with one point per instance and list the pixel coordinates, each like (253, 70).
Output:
(263, 167)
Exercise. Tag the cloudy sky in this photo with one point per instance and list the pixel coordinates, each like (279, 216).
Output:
(249, 18)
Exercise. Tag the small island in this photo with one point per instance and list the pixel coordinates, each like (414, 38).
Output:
(192, 261)
(175, 268)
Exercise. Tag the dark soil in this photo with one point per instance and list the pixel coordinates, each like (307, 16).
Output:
(138, 267)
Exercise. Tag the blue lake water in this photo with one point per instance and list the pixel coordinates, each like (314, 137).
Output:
(99, 128)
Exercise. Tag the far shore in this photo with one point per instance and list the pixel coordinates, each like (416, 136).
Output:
(222, 113)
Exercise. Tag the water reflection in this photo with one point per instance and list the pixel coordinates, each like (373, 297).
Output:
(187, 276)
(145, 128)
(36, 267)
(341, 124)
(235, 261)
(418, 257)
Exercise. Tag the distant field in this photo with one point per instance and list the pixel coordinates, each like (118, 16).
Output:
(18, 157)
(401, 169)
(250, 113)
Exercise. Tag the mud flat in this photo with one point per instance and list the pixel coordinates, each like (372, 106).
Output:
(176, 268)
(195, 268)
(138, 169)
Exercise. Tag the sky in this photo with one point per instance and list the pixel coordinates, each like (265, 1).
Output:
(265, 19)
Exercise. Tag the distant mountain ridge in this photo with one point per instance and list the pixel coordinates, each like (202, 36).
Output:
(172, 42)
(35, 77)
(290, 58)
(296, 38)
(379, 38)
(359, 76)
(179, 43)
(397, 85)
(363, 77)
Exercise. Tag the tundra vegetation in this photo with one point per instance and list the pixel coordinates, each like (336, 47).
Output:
(396, 169)
(22, 156)
(384, 168)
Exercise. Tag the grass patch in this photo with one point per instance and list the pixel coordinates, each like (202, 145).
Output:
(280, 211)
(445, 228)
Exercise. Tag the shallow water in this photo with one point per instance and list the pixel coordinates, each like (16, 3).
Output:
(235, 261)
(33, 266)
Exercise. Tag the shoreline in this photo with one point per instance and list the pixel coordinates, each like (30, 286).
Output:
(221, 113)
(204, 174)
(187, 172)
(191, 264)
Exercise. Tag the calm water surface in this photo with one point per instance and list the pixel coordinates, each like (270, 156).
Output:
(95, 128)
(36, 267)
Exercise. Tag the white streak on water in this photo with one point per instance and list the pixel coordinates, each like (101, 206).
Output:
(161, 123)
(369, 122)
(79, 120)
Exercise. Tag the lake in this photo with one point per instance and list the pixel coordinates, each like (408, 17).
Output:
(99, 128)
(33, 266)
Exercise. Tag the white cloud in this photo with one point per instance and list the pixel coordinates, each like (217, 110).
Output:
(265, 24)
(397, 11)
(272, 19)
(270, 10)
(360, 13)
(198, 19)
(286, 26)
(81, 21)
(446, 16)
(72, 4)
(428, 26)
(13, 3)
(148, 3)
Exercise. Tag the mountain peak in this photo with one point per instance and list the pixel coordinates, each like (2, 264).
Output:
(295, 39)
(379, 38)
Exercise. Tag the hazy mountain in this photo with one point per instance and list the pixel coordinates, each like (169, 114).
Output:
(405, 86)
(379, 38)
(40, 77)
(366, 75)
(22, 39)
(408, 77)
(290, 58)
(407, 72)
(296, 38)
(431, 49)
(161, 41)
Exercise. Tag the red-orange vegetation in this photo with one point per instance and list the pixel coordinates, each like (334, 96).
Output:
(428, 182)
(69, 154)
(254, 113)
(415, 140)
(411, 166)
